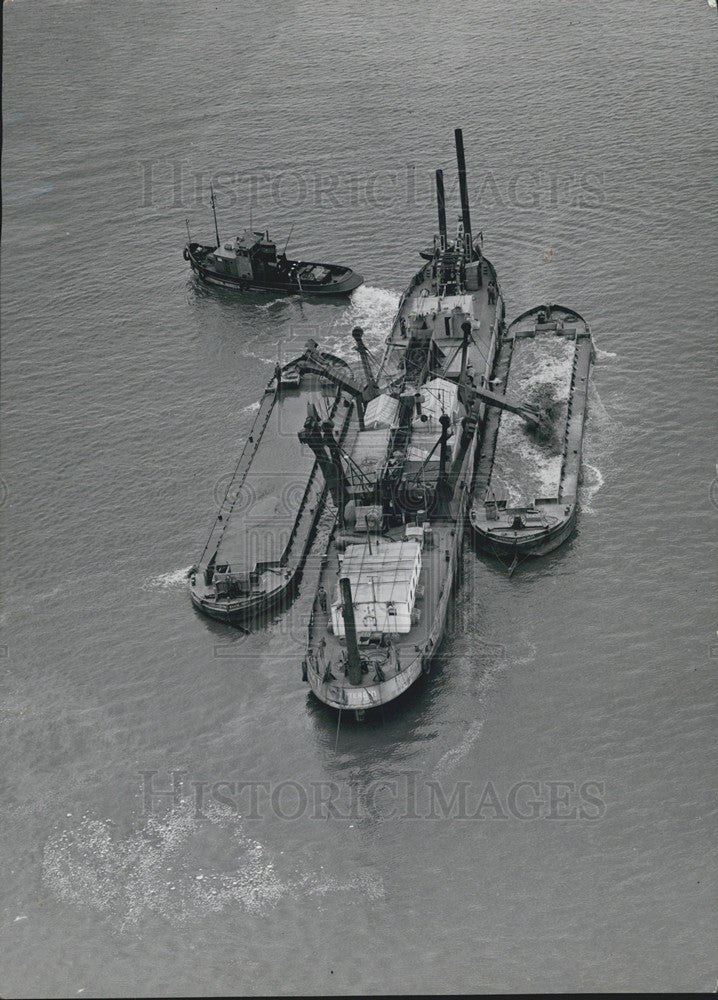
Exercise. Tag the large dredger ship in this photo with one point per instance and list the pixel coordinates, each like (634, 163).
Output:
(402, 483)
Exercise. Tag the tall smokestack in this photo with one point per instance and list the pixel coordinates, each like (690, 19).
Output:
(445, 421)
(466, 217)
(441, 205)
(353, 661)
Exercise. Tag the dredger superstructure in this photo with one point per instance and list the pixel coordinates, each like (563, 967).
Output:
(401, 483)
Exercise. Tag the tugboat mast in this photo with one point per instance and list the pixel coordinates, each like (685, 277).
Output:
(214, 212)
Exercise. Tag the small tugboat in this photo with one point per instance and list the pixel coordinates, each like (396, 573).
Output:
(257, 546)
(525, 491)
(251, 261)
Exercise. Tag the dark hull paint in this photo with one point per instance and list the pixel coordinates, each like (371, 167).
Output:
(243, 611)
(522, 544)
(341, 286)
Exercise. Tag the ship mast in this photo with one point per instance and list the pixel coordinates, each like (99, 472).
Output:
(326, 451)
(371, 383)
(466, 331)
(214, 212)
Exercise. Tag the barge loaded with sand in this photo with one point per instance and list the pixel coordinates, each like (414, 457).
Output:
(525, 492)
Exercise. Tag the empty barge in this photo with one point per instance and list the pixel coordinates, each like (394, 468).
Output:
(257, 546)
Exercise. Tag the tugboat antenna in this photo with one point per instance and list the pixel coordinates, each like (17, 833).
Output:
(214, 212)
(291, 230)
(189, 237)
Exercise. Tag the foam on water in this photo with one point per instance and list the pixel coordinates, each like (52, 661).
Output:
(154, 869)
(167, 581)
(591, 482)
(602, 355)
(479, 679)
(458, 752)
(373, 309)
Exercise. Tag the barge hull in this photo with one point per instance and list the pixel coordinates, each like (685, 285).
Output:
(502, 525)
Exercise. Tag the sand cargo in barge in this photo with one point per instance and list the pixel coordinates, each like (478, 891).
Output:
(525, 493)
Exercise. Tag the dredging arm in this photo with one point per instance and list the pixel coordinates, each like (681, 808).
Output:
(470, 423)
(313, 361)
(528, 413)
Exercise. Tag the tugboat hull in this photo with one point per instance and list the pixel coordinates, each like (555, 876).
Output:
(335, 280)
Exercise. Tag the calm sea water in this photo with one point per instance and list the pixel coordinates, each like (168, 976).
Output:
(591, 139)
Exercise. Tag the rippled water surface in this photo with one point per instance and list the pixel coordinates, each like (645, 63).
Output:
(134, 732)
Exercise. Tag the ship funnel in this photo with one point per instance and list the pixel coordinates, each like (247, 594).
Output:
(445, 421)
(441, 206)
(353, 661)
(466, 216)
